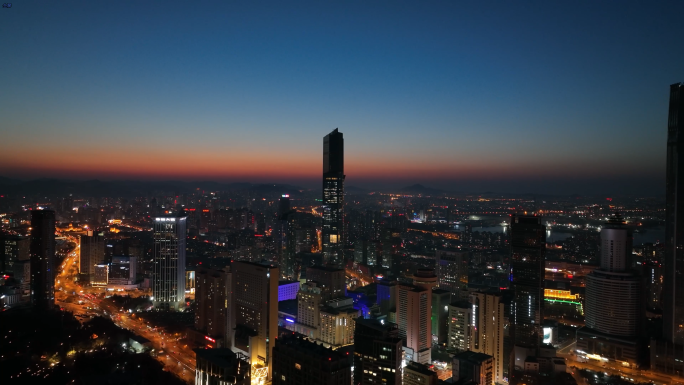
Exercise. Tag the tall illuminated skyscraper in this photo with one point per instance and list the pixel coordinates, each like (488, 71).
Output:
(667, 355)
(42, 254)
(528, 250)
(333, 199)
(673, 264)
(169, 262)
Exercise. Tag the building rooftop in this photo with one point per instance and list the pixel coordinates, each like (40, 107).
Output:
(289, 306)
(462, 304)
(299, 343)
(284, 282)
(440, 291)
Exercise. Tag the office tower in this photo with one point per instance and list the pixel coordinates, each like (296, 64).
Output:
(452, 269)
(92, 253)
(255, 306)
(613, 300)
(332, 281)
(333, 199)
(460, 330)
(673, 263)
(42, 254)
(419, 374)
(473, 368)
(297, 361)
(122, 271)
(221, 366)
(280, 235)
(488, 329)
(413, 320)
(13, 249)
(377, 353)
(212, 301)
(440, 315)
(528, 249)
(169, 262)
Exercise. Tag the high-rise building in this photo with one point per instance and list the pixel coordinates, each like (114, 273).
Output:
(169, 262)
(377, 353)
(92, 253)
(452, 269)
(613, 301)
(488, 329)
(440, 315)
(213, 299)
(528, 250)
(13, 248)
(673, 264)
(473, 368)
(419, 374)
(333, 199)
(337, 325)
(297, 361)
(413, 320)
(332, 281)
(42, 254)
(460, 321)
(387, 295)
(255, 309)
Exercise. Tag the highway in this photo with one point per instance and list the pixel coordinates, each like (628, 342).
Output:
(613, 368)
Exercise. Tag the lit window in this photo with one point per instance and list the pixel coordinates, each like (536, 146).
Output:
(298, 367)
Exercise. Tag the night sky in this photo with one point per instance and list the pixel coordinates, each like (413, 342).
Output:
(546, 97)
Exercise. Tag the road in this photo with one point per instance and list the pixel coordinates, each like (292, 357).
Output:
(177, 359)
(613, 368)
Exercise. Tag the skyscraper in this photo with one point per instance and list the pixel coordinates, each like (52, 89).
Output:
(255, 308)
(212, 298)
(413, 319)
(667, 355)
(528, 250)
(333, 199)
(169, 262)
(92, 252)
(488, 329)
(42, 254)
(613, 303)
(673, 264)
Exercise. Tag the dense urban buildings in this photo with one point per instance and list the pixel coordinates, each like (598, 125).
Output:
(333, 199)
(42, 254)
(169, 262)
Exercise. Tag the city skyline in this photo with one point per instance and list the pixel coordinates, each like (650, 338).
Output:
(569, 100)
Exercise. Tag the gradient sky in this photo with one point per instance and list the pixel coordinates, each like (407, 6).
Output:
(547, 97)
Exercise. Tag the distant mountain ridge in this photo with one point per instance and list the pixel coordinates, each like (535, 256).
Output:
(421, 190)
(97, 188)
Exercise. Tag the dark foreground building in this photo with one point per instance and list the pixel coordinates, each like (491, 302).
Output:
(377, 352)
(297, 361)
(221, 367)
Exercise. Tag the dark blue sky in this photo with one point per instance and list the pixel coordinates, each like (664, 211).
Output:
(558, 97)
